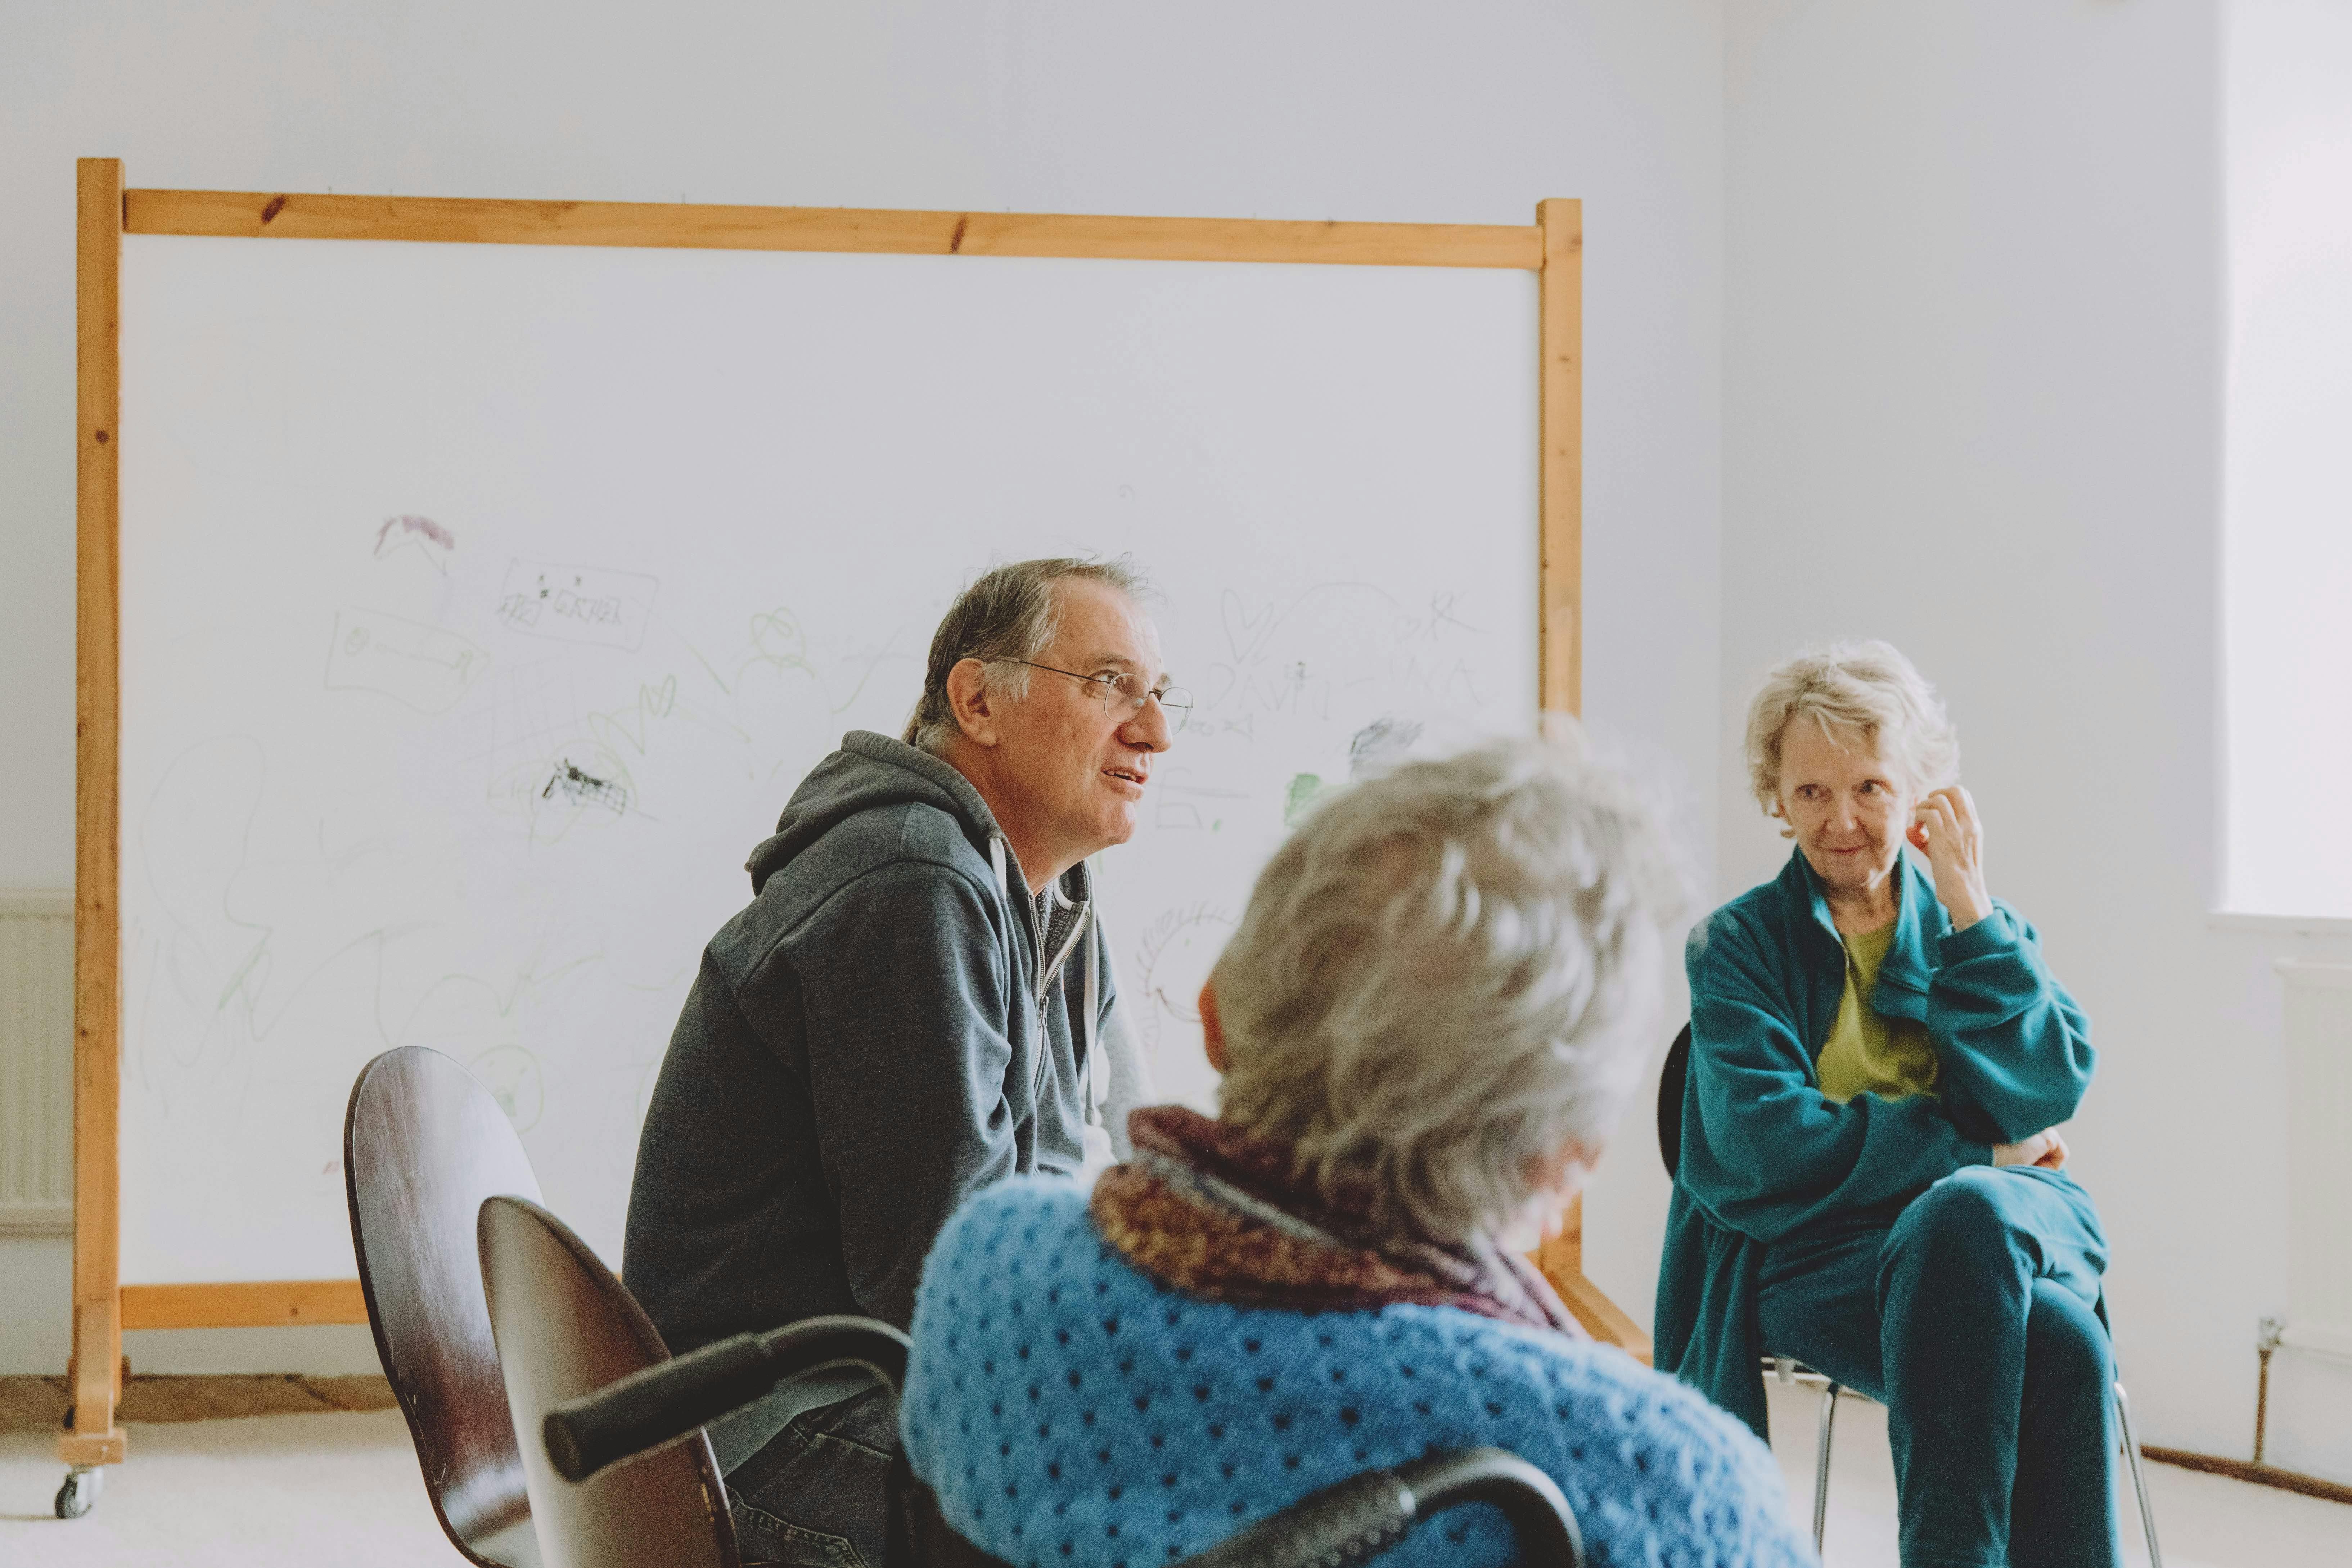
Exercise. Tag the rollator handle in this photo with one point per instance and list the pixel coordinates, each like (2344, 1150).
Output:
(675, 1398)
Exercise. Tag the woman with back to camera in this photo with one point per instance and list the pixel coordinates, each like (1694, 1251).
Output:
(1440, 997)
(1871, 1178)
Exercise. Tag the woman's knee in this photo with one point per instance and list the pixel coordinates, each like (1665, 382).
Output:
(2066, 1340)
(1959, 1219)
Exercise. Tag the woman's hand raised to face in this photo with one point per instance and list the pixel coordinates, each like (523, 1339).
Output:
(1945, 825)
(2045, 1149)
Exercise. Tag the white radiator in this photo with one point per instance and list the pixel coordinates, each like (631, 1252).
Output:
(2319, 1156)
(36, 1063)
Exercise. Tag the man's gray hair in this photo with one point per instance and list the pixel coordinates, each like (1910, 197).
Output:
(1006, 615)
(1864, 690)
(1448, 976)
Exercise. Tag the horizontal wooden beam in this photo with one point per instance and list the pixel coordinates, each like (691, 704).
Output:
(248, 1304)
(302, 216)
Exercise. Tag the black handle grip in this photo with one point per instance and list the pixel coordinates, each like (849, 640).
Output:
(1355, 1520)
(670, 1399)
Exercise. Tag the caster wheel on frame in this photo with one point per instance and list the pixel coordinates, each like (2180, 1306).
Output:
(80, 1492)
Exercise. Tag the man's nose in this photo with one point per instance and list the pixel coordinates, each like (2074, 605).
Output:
(1150, 728)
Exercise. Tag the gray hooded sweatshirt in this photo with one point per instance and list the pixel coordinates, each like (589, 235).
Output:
(887, 1028)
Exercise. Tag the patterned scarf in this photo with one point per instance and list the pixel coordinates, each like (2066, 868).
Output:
(1210, 1210)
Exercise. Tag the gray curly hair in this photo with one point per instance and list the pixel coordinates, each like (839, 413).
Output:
(1448, 976)
(1866, 689)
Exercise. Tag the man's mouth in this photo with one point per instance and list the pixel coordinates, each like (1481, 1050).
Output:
(1125, 775)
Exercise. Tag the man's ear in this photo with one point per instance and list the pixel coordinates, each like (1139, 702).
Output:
(971, 701)
(1213, 1033)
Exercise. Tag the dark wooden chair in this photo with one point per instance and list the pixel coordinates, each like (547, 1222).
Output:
(424, 1143)
(566, 1328)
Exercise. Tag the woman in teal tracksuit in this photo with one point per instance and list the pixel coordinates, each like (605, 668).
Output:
(1871, 1180)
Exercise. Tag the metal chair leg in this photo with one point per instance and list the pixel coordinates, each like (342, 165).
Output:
(2139, 1479)
(1822, 1466)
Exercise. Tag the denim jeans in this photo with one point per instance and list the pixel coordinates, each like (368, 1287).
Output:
(816, 1495)
(1974, 1316)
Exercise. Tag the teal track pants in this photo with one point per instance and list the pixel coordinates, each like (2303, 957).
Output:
(1973, 1314)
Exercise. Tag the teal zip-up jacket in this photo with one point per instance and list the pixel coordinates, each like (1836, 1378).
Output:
(1766, 1153)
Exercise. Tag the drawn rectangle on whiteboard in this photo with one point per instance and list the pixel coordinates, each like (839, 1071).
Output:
(1328, 471)
(577, 604)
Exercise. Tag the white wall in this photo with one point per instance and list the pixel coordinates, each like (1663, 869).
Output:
(1973, 372)
(2288, 565)
(1361, 110)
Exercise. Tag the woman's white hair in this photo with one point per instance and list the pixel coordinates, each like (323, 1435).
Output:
(1447, 977)
(1853, 689)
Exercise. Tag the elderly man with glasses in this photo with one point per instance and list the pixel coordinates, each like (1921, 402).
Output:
(917, 1002)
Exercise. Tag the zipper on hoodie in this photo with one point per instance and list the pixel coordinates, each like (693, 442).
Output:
(1078, 932)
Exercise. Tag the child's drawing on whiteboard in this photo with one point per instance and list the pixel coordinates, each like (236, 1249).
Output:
(1308, 658)
(1172, 962)
(421, 534)
(577, 604)
(1379, 746)
(425, 668)
(512, 1076)
(1185, 806)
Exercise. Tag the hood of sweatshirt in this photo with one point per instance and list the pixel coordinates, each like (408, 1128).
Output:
(870, 772)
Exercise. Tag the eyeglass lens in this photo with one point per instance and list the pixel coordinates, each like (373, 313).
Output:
(1132, 691)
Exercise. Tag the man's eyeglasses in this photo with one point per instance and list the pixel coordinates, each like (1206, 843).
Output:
(1123, 695)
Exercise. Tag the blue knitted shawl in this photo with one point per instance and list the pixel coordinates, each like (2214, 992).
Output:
(1067, 1409)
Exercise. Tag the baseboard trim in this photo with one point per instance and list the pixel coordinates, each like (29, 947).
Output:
(2247, 1470)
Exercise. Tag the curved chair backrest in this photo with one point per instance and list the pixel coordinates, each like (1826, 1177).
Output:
(1348, 1521)
(1671, 1079)
(423, 1144)
(565, 1327)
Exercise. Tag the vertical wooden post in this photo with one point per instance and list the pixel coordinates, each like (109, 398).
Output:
(97, 937)
(1561, 399)
(1560, 636)
(1560, 577)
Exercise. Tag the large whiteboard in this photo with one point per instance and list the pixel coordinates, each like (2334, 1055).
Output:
(482, 605)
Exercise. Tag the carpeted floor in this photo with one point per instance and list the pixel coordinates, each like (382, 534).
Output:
(332, 1484)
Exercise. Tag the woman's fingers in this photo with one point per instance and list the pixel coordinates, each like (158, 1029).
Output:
(1949, 817)
(1943, 833)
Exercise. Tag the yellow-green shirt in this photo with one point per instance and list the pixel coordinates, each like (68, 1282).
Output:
(1866, 1052)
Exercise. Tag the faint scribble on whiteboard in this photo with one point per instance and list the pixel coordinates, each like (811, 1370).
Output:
(1172, 962)
(1307, 656)
(1186, 807)
(1379, 746)
(512, 1074)
(427, 667)
(422, 534)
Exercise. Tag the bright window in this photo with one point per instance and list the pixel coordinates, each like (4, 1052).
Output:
(2287, 529)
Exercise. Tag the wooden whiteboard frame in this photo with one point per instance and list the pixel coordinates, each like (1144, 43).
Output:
(1552, 248)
